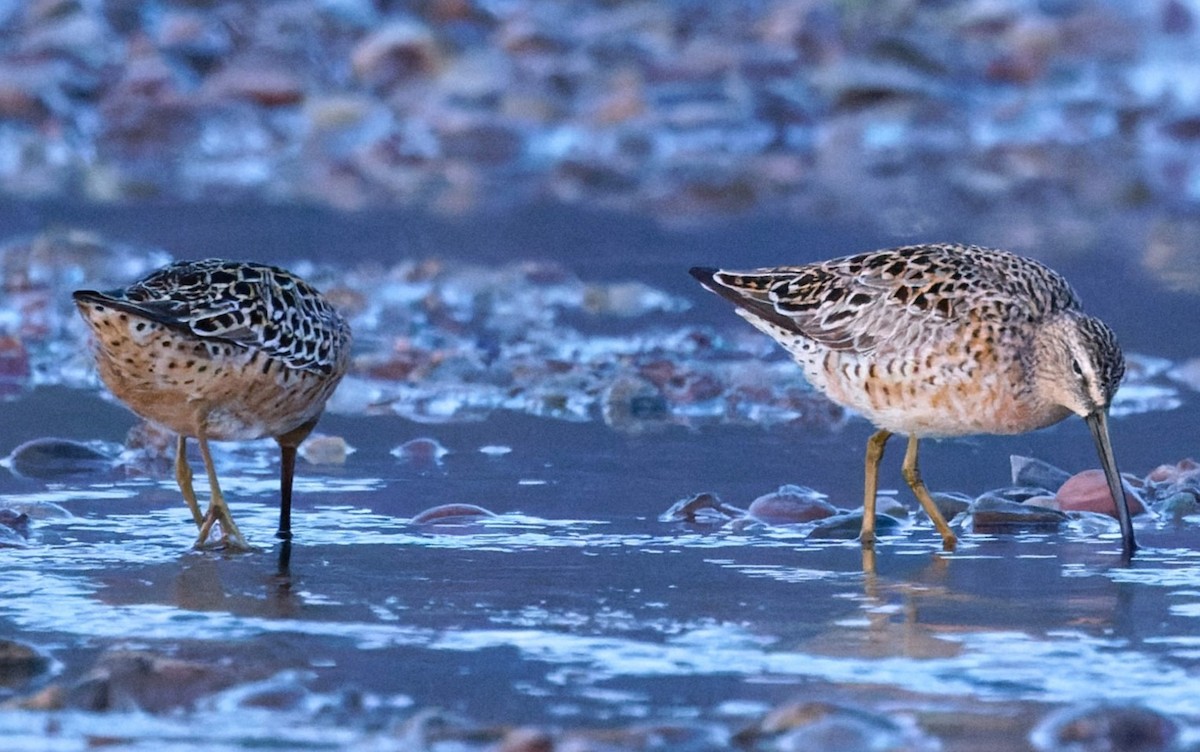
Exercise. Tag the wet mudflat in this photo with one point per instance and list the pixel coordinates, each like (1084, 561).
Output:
(574, 616)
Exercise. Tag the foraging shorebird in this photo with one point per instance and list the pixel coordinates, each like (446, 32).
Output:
(939, 340)
(221, 350)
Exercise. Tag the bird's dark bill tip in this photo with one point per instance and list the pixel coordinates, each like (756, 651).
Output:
(706, 274)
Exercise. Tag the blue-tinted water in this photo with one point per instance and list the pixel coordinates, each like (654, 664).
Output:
(576, 607)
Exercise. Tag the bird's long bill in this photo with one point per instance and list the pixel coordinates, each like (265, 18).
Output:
(1098, 423)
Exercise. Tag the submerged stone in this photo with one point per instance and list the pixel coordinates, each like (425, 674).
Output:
(892, 507)
(991, 514)
(526, 739)
(423, 451)
(1019, 494)
(56, 458)
(701, 507)
(677, 737)
(848, 525)
(130, 680)
(20, 663)
(951, 503)
(1028, 471)
(320, 449)
(17, 522)
(1184, 470)
(804, 726)
(1177, 505)
(1105, 727)
(1088, 492)
(791, 505)
(450, 513)
(1173, 482)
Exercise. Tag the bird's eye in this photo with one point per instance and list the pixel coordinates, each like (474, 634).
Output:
(1075, 367)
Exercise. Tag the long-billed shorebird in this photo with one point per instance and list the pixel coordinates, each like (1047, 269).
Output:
(939, 340)
(221, 350)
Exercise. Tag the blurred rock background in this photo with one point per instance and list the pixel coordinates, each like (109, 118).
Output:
(1073, 116)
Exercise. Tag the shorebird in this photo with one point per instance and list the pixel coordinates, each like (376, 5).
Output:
(935, 341)
(220, 350)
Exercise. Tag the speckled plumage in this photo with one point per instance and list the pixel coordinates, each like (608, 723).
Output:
(936, 340)
(220, 350)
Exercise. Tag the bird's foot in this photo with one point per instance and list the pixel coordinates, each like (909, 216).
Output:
(226, 542)
(949, 542)
(230, 540)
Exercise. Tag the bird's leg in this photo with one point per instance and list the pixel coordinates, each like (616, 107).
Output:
(288, 443)
(875, 446)
(183, 476)
(218, 510)
(912, 476)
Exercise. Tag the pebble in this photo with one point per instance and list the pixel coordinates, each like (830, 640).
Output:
(951, 503)
(1184, 470)
(634, 405)
(892, 507)
(20, 663)
(1028, 471)
(52, 458)
(1019, 494)
(1172, 482)
(319, 449)
(134, 680)
(526, 739)
(395, 53)
(266, 84)
(701, 507)
(791, 505)
(848, 526)
(1177, 506)
(1105, 727)
(1088, 491)
(17, 522)
(451, 514)
(992, 514)
(678, 737)
(421, 452)
(804, 726)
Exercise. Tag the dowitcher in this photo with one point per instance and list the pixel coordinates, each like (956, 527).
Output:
(935, 341)
(221, 350)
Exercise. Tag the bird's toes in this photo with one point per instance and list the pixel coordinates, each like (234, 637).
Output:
(236, 544)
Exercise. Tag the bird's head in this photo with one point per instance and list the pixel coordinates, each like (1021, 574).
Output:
(1078, 363)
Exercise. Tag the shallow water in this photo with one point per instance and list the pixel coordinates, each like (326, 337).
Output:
(576, 607)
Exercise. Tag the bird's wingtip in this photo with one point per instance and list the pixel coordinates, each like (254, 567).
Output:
(81, 295)
(705, 274)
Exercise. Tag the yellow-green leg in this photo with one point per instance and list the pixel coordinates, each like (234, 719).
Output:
(218, 510)
(183, 476)
(875, 446)
(912, 476)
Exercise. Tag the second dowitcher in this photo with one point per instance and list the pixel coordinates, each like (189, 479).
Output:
(939, 340)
